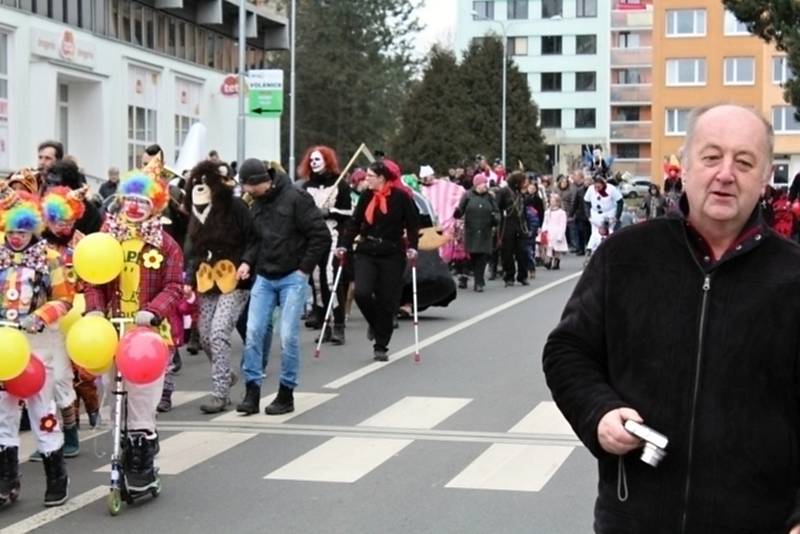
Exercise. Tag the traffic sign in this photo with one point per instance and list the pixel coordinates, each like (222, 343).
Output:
(265, 95)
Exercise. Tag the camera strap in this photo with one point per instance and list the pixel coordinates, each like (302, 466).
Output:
(622, 480)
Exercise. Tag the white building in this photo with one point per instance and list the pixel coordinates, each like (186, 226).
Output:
(109, 77)
(562, 46)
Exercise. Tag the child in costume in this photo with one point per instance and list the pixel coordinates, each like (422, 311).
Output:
(147, 290)
(33, 295)
(62, 208)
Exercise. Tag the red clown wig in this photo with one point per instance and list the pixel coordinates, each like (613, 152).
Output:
(328, 154)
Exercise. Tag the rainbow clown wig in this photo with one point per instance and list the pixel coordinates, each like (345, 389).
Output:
(141, 185)
(24, 215)
(61, 205)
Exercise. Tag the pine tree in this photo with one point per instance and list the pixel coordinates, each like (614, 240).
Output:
(482, 74)
(778, 22)
(433, 130)
(354, 65)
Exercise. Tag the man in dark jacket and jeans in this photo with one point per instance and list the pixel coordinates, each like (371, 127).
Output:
(292, 237)
(688, 324)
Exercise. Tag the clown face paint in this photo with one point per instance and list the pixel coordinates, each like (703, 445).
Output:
(18, 240)
(136, 209)
(317, 162)
(62, 229)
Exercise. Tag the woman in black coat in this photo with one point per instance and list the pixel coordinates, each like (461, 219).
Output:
(481, 217)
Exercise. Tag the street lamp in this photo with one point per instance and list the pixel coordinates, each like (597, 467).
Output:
(478, 16)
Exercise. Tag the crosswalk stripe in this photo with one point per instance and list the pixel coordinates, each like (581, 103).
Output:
(187, 449)
(303, 402)
(545, 418)
(416, 412)
(512, 468)
(51, 514)
(343, 460)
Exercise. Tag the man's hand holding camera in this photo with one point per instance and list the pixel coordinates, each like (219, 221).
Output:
(611, 431)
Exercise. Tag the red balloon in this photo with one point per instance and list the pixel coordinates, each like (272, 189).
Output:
(29, 382)
(142, 355)
(796, 208)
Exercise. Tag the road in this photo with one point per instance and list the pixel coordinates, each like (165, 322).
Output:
(468, 440)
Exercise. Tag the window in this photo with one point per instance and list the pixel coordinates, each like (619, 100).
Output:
(552, 8)
(586, 81)
(518, 46)
(182, 125)
(733, 26)
(63, 115)
(627, 150)
(551, 44)
(585, 118)
(783, 119)
(124, 21)
(141, 133)
(675, 121)
(629, 76)
(4, 133)
(781, 73)
(628, 40)
(688, 71)
(740, 70)
(483, 10)
(585, 44)
(586, 8)
(628, 113)
(136, 19)
(517, 9)
(686, 22)
(551, 81)
(551, 118)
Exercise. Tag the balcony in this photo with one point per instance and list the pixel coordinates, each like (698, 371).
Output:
(639, 167)
(631, 20)
(631, 57)
(631, 94)
(630, 131)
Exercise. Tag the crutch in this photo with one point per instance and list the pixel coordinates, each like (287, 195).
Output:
(417, 358)
(329, 310)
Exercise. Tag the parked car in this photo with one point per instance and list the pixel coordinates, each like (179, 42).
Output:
(635, 188)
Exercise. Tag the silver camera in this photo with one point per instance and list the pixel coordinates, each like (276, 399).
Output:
(654, 442)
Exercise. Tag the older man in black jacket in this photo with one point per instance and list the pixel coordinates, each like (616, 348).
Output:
(690, 325)
(293, 238)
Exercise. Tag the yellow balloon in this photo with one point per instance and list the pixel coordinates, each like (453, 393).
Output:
(98, 258)
(16, 353)
(78, 307)
(91, 342)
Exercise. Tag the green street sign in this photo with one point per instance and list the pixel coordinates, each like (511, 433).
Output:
(265, 95)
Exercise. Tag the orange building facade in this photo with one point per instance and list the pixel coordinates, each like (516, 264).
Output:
(703, 55)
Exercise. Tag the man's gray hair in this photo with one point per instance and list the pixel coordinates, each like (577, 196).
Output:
(698, 112)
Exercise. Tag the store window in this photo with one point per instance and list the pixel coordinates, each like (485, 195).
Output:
(4, 99)
(142, 112)
(187, 110)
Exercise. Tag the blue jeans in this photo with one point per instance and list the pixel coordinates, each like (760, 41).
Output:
(289, 293)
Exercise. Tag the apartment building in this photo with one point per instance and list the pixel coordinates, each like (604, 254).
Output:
(701, 55)
(109, 77)
(631, 53)
(562, 48)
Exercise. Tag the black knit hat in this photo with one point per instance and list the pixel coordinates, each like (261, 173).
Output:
(253, 172)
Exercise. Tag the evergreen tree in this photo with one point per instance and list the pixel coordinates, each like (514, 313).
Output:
(353, 64)
(482, 75)
(778, 22)
(433, 127)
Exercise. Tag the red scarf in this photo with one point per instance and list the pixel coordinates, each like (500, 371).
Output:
(378, 200)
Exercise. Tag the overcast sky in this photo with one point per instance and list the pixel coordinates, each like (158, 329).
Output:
(439, 17)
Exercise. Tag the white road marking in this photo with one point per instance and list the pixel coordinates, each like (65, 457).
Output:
(372, 367)
(416, 412)
(303, 402)
(184, 397)
(343, 460)
(188, 449)
(512, 468)
(544, 419)
(51, 514)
